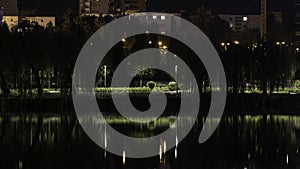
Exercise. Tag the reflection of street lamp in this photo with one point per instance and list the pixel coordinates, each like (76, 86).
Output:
(176, 69)
(105, 75)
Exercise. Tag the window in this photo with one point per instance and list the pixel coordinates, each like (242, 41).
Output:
(245, 18)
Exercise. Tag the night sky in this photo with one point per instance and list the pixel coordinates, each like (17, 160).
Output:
(57, 7)
(220, 6)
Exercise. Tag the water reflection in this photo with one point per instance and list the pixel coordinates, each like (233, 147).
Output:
(58, 141)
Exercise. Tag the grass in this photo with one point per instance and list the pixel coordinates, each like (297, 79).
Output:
(146, 90)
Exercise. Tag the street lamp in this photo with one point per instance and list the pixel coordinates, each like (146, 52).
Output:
(105, 75)
(236, 42)
(159, 43)
(176, 71)
(280, 44)
(225, 45)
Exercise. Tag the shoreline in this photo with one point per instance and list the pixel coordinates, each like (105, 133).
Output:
(236, 104)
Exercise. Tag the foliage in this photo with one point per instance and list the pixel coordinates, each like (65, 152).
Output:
(151, 85)
(36, 59)
(173, 86)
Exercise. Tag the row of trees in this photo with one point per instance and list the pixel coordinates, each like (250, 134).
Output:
(34, 58)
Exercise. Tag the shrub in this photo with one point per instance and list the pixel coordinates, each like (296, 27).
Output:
(172, 85)
(151, 85)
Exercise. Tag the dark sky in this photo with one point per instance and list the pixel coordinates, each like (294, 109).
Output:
(219, 6)
(57, 7)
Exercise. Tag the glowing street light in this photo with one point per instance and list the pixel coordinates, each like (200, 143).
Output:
(105, 75)
(124, 157)
(123, 40)
(160, 43)
(236, 42)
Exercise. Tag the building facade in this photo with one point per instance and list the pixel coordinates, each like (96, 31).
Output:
(296, 11)
(1, 14)
(93, 7)
(10, 7)
(240, 23)
(133, 6)
(43, 21)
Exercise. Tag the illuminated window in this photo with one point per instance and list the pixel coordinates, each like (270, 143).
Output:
(245, 18)
(163, 17)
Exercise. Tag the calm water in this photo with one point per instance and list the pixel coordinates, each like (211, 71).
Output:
(56, 141)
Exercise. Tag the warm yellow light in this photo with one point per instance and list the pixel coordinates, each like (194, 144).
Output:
(150, 42)
(159, 43)
(124, 157)
(123, 40)
(236, 42)
(222, 44)
(228, 44)
(283, 43)
(165, 47)
(277, 43)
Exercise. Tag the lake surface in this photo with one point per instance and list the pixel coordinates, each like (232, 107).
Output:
(51, 141)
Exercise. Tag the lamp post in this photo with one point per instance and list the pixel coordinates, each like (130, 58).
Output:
(105, 75)
(176, 70)
(280, 44)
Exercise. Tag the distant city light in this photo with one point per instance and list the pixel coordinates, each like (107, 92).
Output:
(228, 44)
(245, 18)
(150, 42)
(222, 44)
(297, 49)
(123, 40)
(154, 17)
(236, 42)
(280, 43)
(163, 17)
(159, 43)
(165, 47)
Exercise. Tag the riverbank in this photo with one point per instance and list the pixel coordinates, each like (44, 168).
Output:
(239, 104)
